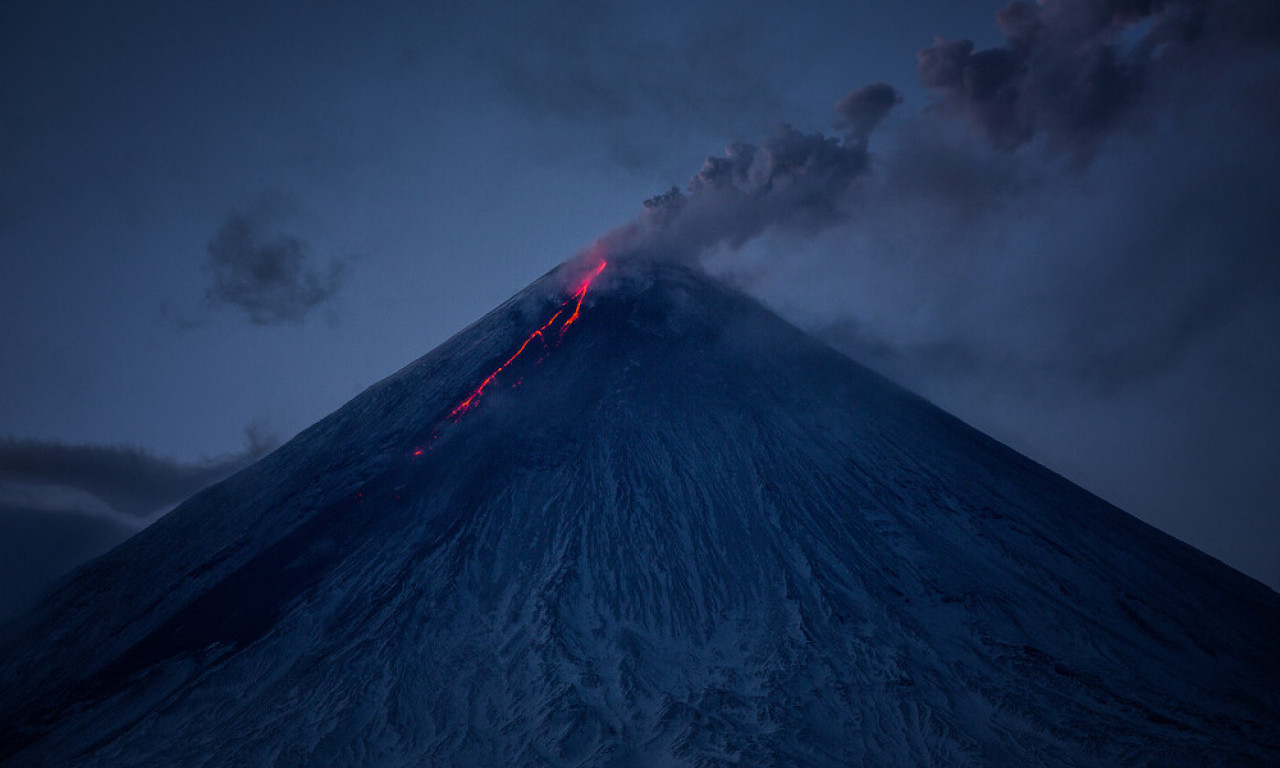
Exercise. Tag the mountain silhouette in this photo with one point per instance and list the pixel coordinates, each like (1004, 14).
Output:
(674, 531)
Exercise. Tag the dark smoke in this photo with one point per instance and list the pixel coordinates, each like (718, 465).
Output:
(266, 276)
(862, 109)
(1171, 266)
(61, 504)
(128, 479)
(1074, 70)
(792, 181)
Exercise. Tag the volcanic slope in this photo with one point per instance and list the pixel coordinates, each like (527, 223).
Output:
(677, 532)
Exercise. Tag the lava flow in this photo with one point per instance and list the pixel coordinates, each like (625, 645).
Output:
(576, 298)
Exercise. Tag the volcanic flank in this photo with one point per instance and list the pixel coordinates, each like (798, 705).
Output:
(631, 517)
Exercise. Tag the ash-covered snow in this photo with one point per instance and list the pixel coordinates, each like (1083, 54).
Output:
(691, 536)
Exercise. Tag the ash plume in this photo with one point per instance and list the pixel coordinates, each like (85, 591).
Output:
(791, 181)
(1072, 71)
(862, 109)
(1080, 92)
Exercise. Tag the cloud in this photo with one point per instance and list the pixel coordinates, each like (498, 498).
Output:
(1070, 70)
(964, 260)
(1073, 71)
(61, 504)
(791, 181)
(1135, 251)
(267, 276)
(862, 109)
(128, 480)
(1157, 226)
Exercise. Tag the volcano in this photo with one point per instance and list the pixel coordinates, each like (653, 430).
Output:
(672, 531)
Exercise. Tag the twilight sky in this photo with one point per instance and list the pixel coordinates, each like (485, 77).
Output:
(219, 222)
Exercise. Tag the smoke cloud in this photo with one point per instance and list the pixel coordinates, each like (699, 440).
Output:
(1162, 251)
(61, 504)
(862, 109)
(1076, 73)
(129, 480)
(268, 277)
(792, 181)
(1072, 71)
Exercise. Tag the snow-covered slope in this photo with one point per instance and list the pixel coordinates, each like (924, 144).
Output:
(691, 535)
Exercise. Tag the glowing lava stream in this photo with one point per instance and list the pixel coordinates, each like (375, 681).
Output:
(576, 298)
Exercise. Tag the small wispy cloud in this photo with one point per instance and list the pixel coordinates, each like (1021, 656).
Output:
(269, 276)
(128, 480)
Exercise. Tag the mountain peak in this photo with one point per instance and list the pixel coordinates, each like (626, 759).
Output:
(631, 517)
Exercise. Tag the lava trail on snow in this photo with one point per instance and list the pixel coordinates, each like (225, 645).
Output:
(543, 334)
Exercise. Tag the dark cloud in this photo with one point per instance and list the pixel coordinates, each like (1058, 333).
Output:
(1134, 253)
(267, 276)
(1137, 251)
(1092, 275)
(62, 504)
(792, 181)
(862, 109)
(129, 480)
(1077, 282)
(1072, 70)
